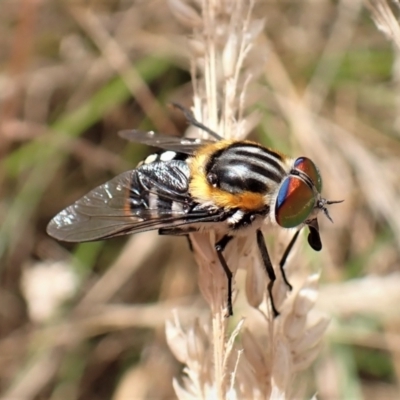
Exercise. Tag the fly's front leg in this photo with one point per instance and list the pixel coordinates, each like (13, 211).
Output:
(268, 268)
(220, 247)
(284, 258)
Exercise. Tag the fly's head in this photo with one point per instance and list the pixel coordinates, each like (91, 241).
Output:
(299, 200)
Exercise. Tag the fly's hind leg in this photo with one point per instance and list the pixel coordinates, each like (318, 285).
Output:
(179, 232)
(193, 121)
(220, 247)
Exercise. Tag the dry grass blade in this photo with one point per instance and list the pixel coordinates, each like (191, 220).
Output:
(384, 19)
(117, 58)
(222, 72)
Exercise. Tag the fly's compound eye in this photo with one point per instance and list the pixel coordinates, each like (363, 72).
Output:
(294, 203)
(307, 166)
(296, 199)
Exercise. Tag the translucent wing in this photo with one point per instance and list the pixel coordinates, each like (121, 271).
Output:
(182, 145)
(152, 196)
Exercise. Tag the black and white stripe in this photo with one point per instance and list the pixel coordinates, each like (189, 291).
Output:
(163, 155)
(159, 186)
(245, 167)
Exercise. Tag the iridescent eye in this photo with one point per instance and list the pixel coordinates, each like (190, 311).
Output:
(294, 203)
(307, 166)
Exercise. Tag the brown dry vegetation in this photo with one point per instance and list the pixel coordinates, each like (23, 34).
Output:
(74, 73)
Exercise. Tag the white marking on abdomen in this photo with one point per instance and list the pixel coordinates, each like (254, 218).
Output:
(235, 218)
(167, 155)
(151, 158)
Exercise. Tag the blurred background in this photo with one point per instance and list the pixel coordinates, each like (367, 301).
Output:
(86, 321)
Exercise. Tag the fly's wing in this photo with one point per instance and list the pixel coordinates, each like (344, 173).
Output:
(152, 196)
(181, 145)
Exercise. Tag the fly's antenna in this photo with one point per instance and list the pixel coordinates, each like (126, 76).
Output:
(193, 121)
(324, 203)
(333, 202)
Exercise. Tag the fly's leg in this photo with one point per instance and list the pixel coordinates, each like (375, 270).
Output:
(268, 268)
(179, 232)
(284, 258)
(193, 121)
(220, 247)
(189, 242)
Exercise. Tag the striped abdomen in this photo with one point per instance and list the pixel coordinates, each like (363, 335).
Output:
(236, 175)
(245, 166)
